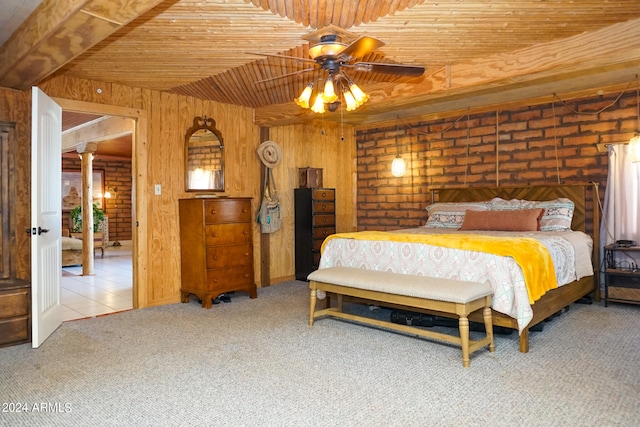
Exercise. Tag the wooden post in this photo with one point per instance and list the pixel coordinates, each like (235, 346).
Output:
(86, 154)
(265, 258)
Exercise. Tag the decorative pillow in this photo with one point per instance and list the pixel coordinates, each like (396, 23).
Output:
(451, 214)
(557, 215)
(505, 220)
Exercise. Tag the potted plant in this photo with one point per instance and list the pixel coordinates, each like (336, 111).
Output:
(76, 218)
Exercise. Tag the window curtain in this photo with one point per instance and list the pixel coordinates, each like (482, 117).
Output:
(621, 212)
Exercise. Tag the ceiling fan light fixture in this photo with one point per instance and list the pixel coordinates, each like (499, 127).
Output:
(325, 49)
(350, 100)
(329, 100)
(333, 106)
(331, 55)
(329, 94)
(338, 88)
(318, 105)
(358, 94)
(305, 96)
(330, 45)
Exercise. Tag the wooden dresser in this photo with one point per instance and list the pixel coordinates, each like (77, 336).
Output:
(315, 211)
(216, 248)
(15, 312)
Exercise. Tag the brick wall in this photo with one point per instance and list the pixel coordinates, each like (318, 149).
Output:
(117, 174)
(543, 144)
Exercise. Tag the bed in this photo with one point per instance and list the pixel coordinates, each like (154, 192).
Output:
(522, 298)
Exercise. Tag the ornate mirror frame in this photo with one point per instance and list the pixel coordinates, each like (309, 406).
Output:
(204, 156)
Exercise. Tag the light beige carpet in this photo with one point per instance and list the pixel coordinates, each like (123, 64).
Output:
(257, 363)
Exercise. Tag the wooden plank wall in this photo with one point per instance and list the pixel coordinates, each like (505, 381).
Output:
(316, 145)
(168, 116)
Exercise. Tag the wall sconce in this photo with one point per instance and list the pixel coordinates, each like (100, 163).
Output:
(398, 168)
(108, 195)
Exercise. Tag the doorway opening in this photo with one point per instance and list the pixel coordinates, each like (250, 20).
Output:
(114, 286)
(108, 289)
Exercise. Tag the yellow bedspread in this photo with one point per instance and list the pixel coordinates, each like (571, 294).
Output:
(532, 256)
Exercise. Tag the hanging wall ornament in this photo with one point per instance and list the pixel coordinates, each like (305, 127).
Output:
(270, 154)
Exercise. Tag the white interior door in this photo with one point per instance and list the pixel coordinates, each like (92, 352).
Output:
(46, 216)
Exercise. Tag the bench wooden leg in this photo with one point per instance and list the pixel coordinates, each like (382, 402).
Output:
(312, 304)
(488, 326)
(463, 325)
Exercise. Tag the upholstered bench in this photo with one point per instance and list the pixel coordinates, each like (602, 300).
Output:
(454, 297)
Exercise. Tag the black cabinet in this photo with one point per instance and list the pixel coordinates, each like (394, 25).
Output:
(315, 212)
(621, 274)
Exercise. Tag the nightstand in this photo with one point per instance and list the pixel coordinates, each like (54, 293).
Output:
(621, 277)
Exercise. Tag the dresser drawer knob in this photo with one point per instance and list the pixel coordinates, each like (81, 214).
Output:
(214, 234)
(214, 212)
(246, 254)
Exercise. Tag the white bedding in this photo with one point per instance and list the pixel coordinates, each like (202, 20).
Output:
(570, 251)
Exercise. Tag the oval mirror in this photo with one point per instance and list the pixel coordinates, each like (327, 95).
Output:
(204, 156)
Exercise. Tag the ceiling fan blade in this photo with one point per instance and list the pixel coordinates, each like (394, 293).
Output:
(281, 56)
(395, 69)
(306, 70)
(360, 48)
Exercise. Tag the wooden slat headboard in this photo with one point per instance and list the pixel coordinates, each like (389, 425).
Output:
(577, 193)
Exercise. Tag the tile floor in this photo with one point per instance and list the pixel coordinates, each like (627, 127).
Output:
(108, 291)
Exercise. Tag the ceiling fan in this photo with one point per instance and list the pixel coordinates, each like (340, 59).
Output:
(332, 55)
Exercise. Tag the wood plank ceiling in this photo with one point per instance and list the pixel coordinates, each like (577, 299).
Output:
(478, 52)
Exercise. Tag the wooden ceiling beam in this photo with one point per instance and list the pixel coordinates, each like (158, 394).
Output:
(57, 32)
(102, 129)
